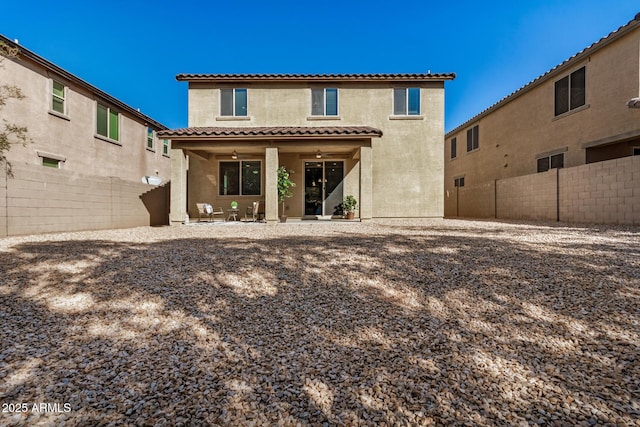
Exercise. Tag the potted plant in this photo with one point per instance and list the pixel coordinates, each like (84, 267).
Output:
(284, 189)
(349, 204)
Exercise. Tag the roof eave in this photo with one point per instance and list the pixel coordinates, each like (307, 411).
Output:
(77, 80)
(276, 78)
(559, 69)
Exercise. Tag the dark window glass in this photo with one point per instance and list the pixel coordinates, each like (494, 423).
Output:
(317, 102)
(459, 182)
(332, 102)
(543, 164)
(414, 101)
(473, 138)
(226, 102)
(149, 138)
(241, 102)
(229, 179)
(102, 120)
(562, 96)
(454, 148)
(636, 151)
(251, 178)
(557, 161)
(50, 163)
(114, 130)
(399, 102)
(577, 88)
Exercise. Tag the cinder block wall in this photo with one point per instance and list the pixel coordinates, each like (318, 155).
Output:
(528, 197)
(603, 192)
(478, 201)
(43, 200)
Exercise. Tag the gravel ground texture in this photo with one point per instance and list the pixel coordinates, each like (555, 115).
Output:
(381, 323)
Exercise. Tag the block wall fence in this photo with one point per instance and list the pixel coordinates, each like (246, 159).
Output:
(603, 193)
(35, 199)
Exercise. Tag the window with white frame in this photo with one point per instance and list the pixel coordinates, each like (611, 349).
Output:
(406, 101)
(324, 102)
(570, 92)
(58, 97)
(149, 138)
(165, 147)
(473, 138)
(107, 122)
(550, 162)
(233, 102)
(240, 178)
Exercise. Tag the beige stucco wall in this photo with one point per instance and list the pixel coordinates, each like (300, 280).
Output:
(514, 134)
(407, 163)
(73, 137)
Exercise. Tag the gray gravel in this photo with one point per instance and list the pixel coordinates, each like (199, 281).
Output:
(381, 323)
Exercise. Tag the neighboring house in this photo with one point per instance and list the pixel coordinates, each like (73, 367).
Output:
(575, 114)
(89, 154)
(374, 136)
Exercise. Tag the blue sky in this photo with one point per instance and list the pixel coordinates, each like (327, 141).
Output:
(133, 50)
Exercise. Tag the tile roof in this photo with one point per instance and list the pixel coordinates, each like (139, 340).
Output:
(314, 77)
(584, 53)
(272, 131)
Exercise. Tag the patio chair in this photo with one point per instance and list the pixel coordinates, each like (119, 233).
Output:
(251, 213)
(207, 211)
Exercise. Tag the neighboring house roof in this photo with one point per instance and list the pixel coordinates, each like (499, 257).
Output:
(77, 80)
(270, 132)
(558, 69)
(236, 78)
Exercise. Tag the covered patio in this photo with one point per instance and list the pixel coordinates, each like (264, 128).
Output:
(220, 165)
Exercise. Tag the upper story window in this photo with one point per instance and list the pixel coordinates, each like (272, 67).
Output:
(240, 178)
(454, 148)
(459, 181)
(108, 122)
(473, 138)
(58, 97)
(150, 138)
(406, 101)
(165, 147)
(550, 162)
(324, 102)
(570, 92)
(233, 102)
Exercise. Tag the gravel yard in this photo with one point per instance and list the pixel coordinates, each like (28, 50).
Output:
(381, 323)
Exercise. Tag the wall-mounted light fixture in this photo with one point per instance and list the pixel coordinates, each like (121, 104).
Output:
(234, 155)
(318, 154)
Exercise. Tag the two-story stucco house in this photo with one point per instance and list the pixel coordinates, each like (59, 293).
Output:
(574, 114)
(88, 155)
(377, 137)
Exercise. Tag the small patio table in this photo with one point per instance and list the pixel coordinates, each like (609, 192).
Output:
(233, 214)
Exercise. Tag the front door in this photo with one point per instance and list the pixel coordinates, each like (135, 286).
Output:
(323, 187)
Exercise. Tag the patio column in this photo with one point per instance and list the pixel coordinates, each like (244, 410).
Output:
(366, 184)
(271, 185)
(178, 208)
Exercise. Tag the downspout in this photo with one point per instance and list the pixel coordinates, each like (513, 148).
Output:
(495, 199)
